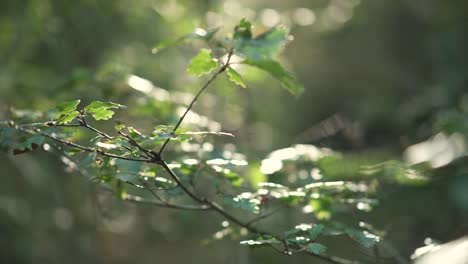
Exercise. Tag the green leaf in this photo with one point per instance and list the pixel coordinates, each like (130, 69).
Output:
(299, 240)
(262, 47)
(287, 80)
(127, 170)
(363, 237)
(243, 30)
(63, 119)
(202, 63)
(316, 248)
(29, 145)
(7, 138)
(235, 77)
(315, 231)
(101, 110)
(66, 112)
(67, 107)
(199, 33)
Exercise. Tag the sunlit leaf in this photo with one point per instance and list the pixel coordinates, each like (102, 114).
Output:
(67, 107)
(66, 112)
(287, 80)
(235, 77)
(67, 118)
(101, 110)
(262, 47)
(203, 63)
(256, 177)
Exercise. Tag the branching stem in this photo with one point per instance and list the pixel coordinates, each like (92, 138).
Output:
(195, 98)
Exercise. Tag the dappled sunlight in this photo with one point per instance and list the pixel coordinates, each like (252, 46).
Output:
(145, 86)
(233, 131)
(439, 150)
(274, 161)
(304, 16)
(453, 252)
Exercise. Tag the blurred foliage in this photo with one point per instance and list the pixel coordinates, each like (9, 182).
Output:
(384, 106)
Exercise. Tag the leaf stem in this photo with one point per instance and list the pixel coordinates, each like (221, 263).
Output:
(195, 98)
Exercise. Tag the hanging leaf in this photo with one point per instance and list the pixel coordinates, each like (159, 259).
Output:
(316, 248)
(32, 143)
(262, 47)
(101, 110)
(127, 170)
(287, 80)
(235, 77)
(315, 231)
(363, 237)
(203, 63)
(7, 138)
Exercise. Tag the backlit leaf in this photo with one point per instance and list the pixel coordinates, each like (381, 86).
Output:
(203, 63)
(101, 110)
(262, 47)
(66, 112)
(67, 107)
(235, 77)
(287, 80)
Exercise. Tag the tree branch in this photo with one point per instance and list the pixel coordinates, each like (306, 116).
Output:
(78, 146)
(138, 199)
(194, 100)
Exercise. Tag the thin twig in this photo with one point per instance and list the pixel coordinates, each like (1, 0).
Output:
(134, 198)
(194, 100)
(148, 153)
(261, 217)
(151, 191)
(75, 145)
(85, 124)
(140, 200)
(201, 200)
(152, 188)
